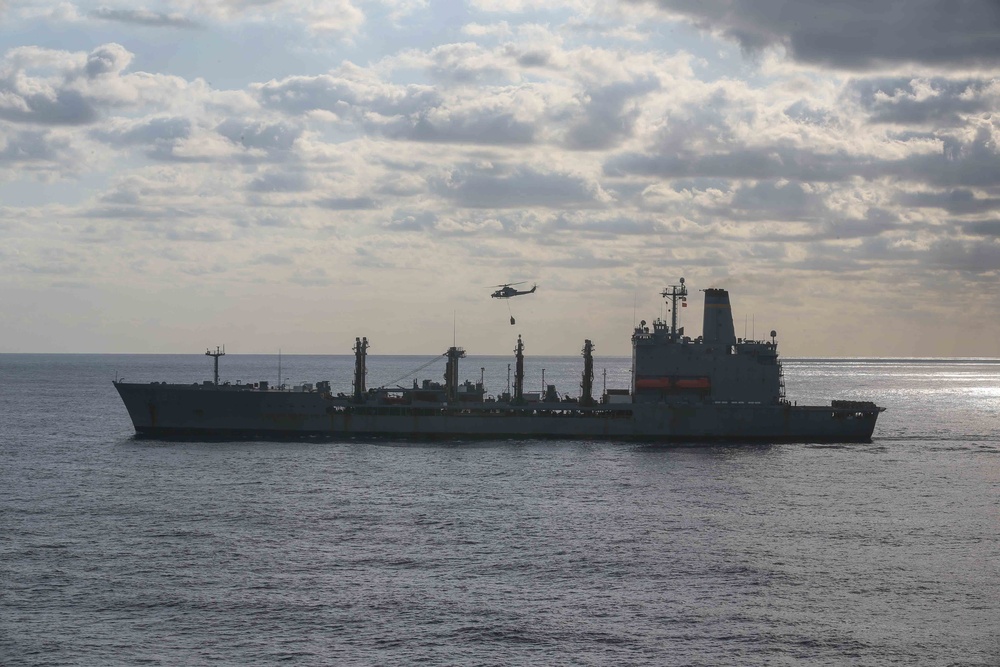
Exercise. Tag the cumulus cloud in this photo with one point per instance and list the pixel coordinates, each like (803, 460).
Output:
(855, 34)
(462, 63)
(608, 115)
(938, 101)
(411, 112)
(108, 59)
(972, 162)
(48, 107)
(165, 138)
(49, 87)
(351, 91)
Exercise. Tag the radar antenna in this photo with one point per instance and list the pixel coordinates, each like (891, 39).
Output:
(673, 294)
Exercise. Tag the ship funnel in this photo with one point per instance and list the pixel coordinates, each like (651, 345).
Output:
(718, 322)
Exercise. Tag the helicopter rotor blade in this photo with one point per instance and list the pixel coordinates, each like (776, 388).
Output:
(508, 284)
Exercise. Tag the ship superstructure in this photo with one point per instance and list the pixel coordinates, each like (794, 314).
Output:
(683, 389)
(717, 367)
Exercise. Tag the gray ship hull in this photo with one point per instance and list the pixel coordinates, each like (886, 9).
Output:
(234, 412)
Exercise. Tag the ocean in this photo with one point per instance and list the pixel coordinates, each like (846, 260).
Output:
(120, 551)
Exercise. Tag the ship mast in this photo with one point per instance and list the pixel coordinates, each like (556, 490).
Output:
(218, 353)
(587, 397)
(519, 371)
(451, 371)
(360, 370)
(673, 294)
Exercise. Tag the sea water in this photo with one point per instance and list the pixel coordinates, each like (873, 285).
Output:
(116, 550)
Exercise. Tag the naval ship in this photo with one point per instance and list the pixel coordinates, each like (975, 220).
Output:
(715, 387)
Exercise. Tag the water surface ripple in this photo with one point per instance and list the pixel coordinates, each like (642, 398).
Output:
(124, 551)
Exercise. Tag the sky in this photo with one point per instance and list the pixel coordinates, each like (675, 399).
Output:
(290, 174)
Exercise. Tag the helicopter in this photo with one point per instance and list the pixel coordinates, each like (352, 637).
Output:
(507, 290)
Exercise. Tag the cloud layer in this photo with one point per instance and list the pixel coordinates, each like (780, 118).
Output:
(841, 167)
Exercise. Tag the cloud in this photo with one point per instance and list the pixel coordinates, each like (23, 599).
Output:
(518, 187)
(279, 136)
(150, 131)
(166, 138)
(728, 145)
(409, 221)
(411, 112)
(975, 257)
(774, 200)
(552, 143)
(760, 162)
(938, 102)
(280, 181)
(329, 17)
(478, 126)
(959, 201)
(990, 228)
(608, 117)
(855, 34)
(460, 63)
(586, 260)
(32, 146)
(108, 59)
(47, 107)
(143, 17)
(273, 259)
(970, 163)
(607, 226)
(347, 203)
(48, 87)
(354, 91)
